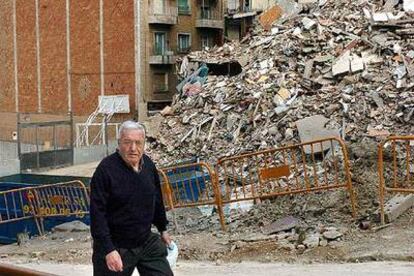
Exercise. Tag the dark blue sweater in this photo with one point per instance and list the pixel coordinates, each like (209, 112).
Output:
(125, 203)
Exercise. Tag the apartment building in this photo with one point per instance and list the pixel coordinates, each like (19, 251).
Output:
(59, 56)
(239, 16)
(173, 29)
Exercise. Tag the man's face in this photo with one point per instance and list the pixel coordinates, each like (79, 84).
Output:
(131, 146)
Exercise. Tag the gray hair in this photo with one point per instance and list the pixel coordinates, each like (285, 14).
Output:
(131, 125)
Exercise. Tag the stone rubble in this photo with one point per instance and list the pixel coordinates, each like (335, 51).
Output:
(344, 60)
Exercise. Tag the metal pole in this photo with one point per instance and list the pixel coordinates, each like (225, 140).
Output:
(37, 147)
(11, 270)
(71, 137)
(19, 150)
(54, 146)
(106, 133)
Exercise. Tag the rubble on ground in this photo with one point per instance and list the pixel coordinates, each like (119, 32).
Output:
(348, 61)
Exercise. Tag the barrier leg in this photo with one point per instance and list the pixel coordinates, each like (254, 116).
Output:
(221, 216)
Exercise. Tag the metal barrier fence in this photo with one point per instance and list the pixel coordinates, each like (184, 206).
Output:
(189, 185)
(14, 205)
(395, 167)
(39, 202)
(309, 167)
(61, 199)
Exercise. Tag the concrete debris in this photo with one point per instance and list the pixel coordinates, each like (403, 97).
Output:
(313, 128)
(312, 241)
(396, 206)
(72, 226)
(332, 234)
(282, 224)
(348, 67)
(408, 5)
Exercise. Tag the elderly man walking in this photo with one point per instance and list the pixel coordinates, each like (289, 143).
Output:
(125, 201)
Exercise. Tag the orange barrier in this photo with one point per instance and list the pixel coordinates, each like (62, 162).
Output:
(395, 167)
(309, 167)
(190, 185)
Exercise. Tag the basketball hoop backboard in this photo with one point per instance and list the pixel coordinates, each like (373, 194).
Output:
(114, 104)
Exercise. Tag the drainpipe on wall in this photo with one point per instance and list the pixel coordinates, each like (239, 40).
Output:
(138, 96)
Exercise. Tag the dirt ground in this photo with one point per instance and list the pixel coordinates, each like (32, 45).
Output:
(200, 238)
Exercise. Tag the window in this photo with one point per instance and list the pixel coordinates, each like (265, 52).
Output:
(206, 12)
(183, 7)
(160, 82)
(159, 6)
(159, 43)
(206, 41)
(184, 43)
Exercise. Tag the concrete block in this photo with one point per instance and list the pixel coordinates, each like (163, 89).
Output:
(357, 64)
(313, 128)
(342, 64)
(397, 206)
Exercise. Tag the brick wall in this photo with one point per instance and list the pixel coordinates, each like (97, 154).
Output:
(50, 95)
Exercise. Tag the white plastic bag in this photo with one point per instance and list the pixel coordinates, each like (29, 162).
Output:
(172, 254)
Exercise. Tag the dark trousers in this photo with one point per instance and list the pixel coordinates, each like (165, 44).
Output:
(150, 259)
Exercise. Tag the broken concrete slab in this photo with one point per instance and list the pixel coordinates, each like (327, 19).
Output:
(342, 64)
(72, 226)
(332, 234)
(377, 99)
(308, 23)
(283, 224)
(357, 64)
(408, 5)
(313, 128)
(397, 206)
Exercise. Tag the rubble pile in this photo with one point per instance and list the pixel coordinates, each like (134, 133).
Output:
(349, 61)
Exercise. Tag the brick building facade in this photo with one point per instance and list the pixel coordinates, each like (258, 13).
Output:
(58, 56)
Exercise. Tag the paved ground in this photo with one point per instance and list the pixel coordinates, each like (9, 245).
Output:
(86, 170)
(248, 269)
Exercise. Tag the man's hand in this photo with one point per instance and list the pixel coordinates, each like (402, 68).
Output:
(114, 261)
(165, 237)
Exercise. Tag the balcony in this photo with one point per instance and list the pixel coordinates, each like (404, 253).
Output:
(162, 56)
(166, 15)
(241, 12)
(184, 50)
(209, 18)
(184, 10)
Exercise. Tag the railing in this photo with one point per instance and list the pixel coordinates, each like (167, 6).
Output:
(184, 50)
(209, 14)
(184, 9)
(166, 10)
(162, 51)
(395, 168)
